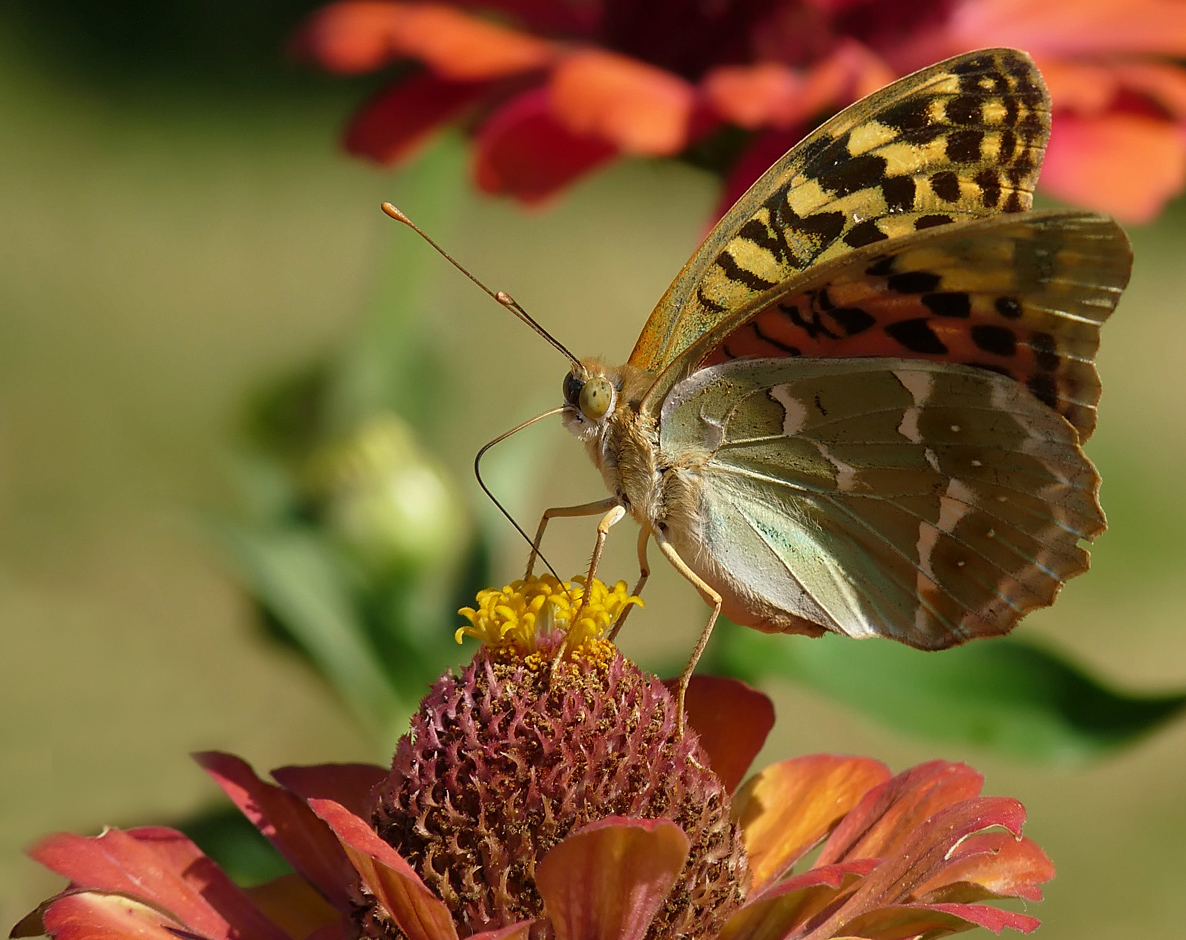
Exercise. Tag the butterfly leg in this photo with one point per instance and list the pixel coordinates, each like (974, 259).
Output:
(644, 572)
(709, 595)
(585, 509)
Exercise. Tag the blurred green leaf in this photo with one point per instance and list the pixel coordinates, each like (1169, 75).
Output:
(228, 837)
(296, 577)
(1003, 695)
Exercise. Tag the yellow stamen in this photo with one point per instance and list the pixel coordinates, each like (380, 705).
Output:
(515, 618)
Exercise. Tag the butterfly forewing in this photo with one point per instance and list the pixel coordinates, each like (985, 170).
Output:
(958, 140)
(924, 501)
(1023, 296)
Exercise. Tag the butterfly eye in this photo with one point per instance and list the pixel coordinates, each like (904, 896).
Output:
(572, 389)
(596, 397)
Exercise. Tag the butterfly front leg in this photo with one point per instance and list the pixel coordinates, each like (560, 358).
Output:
(585, 509)
(710, 595)
(644, 572)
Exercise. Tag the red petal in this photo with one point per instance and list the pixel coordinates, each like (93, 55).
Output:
(890, 814)
(348, 784)
(731, 719)
(1128, 165)
(608, 880)
(92, 916)
(288, 824)
(789, 807)
(360, 35)
(991, 865)
(1099, 27)
(161, 867)
(635, 106)
(413, 907)
(295, 905)
(523, 151)
(914, 920)
(400, 118)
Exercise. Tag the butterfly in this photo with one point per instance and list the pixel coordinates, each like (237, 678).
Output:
(860, 406)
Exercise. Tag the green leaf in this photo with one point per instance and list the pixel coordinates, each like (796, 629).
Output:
(1003, 695)
(237, 847)
(297, 577)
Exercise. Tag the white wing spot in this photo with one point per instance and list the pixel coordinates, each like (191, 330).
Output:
(977, 463)
(846, 474)
(955, 427)
(795, 419)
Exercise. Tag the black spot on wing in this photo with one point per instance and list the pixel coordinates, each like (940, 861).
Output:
(948, 304)
(963, 145)
(913, 282)
(853, 320)
(736, 272)
(964, 109)
(1044, 388)
(917, 336)
(881, 267)
(864, 233)
(998, 340)
(931, 221)
(1045, 351)
(853, 174)
(990, 187)
(946, 186)
(774, 341)
(899, 193)
(1008, 307)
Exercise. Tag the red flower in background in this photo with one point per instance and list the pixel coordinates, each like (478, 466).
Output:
(553, 89)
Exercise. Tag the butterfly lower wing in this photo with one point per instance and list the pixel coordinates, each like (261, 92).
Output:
(961, 139)
(1021, 295)
(924, 501)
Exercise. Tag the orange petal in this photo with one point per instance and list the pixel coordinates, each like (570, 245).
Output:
(294, 904)
(524, 151)
(348, 784)
(768, 94)
(1077, 86)
(788, 807)
(888, 816)
(400, 118)
(991, 865)
(926, 851)
(520, 930)
(640, 108)
(1098, 27)
(731, 719)
(160, 867)
(91, 916)
(360, 35)
(287, 822)
(608, 880)
(788, 905)
(413, 907)
(1128, 165)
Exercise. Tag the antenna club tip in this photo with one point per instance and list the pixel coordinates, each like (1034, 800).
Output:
(504, 298)
(395, 213)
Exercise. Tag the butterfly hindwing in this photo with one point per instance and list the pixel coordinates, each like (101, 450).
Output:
(1021, 295)
(961, 139)
(929, 502)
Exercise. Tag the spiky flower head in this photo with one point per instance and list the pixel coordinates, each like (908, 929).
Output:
(547, 730)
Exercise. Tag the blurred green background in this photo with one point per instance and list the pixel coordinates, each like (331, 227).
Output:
(179, 230)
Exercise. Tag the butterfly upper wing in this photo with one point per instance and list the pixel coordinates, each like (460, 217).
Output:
(960, 139)
(1021, 295)
(928, 502)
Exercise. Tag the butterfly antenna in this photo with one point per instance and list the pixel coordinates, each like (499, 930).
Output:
(502, 297)
(485, 489)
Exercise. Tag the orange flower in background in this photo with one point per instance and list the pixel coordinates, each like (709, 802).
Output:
(549, 793)
(555, 88)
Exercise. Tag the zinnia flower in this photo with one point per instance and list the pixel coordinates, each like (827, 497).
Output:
(547, 792)
(554, 88)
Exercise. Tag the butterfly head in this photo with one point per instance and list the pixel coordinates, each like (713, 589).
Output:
(590, 393)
